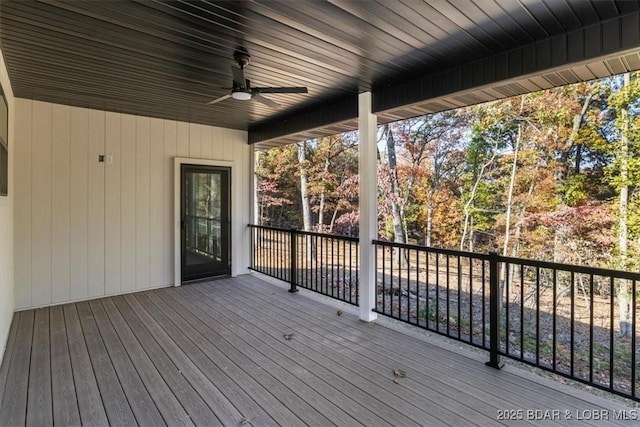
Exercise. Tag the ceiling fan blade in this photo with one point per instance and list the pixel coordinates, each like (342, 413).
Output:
(215, 101)
(239, 80)
(265, 101)
(280, 89)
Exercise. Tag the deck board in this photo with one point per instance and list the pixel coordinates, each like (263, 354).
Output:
(168, 404)
(505, 387)
(265, 376)
(197, 409)
(63, 390)
(4, 366)
(184, 337)
(92, 410)
(239, 387)
(141, 403)
(440, 385)
(214, 353)
(114, 399)
(222, 409)
(407, 395)
(302, 360)
(14, 401)
(39, 402)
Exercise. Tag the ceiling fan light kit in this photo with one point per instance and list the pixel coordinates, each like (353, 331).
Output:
(241, 95)
(241, 89)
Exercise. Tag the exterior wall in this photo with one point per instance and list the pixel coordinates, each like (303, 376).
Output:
(86, 229)
(6, 223)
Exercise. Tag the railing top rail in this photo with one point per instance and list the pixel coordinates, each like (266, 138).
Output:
(432, 249)
(617, 274)
(268, 227)
(306, 233)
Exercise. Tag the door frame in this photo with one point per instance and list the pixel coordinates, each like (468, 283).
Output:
(177, 229)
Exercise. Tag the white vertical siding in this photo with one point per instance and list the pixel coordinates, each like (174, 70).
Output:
(86, 229)
(195, 145)
(112, 202)
(127, 166)
(41, 202)
(60, 198)
(182, 139)
(143, 135)
(7, 229)
(22, 205)
(78, 203)
(156, 202)
(95, 207)
(170, 141)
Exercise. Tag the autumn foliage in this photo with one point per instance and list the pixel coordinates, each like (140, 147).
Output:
(536, 176)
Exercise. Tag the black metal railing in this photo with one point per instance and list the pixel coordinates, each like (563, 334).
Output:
(441, 290)
(323, 263)
(578, 322)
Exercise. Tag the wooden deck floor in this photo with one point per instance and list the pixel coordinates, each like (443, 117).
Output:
(215, 354)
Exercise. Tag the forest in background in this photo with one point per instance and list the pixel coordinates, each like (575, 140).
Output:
(552, 175)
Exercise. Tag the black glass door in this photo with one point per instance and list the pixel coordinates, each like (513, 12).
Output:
(205, 221)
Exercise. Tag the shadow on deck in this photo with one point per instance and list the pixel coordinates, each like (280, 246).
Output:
(217, 353)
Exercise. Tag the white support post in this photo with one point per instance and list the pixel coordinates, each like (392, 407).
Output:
(253, 158)
(367, 124)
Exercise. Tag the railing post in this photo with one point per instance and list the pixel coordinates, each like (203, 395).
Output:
(494, 313)
(293, 261)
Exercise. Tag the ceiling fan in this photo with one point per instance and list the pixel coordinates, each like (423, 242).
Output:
(242, 90)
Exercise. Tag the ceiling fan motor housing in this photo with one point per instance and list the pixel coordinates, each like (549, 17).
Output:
(241, 88)
(241, 58)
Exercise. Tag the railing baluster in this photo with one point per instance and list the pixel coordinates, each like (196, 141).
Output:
(384, 281)
(591, 284)
(293, 259)
(407, 257)
(437, 292)
(611, 334)
(553, 329)
(357, 275)
(470, 300)
(505, 303)
(391, 281)
(521, 313)
(350, 273)
(494, 312)
(537, 315)
(426, 296)
(342, 283)
(322, 262)
(633, 338)
(314, 261)
(375, 262)
(572, 327)
(448, 277)
(400, 256)
(417, 287)
(459, 296)
(484, 296)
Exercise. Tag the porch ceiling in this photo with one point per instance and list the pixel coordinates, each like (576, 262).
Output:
(168, 59)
